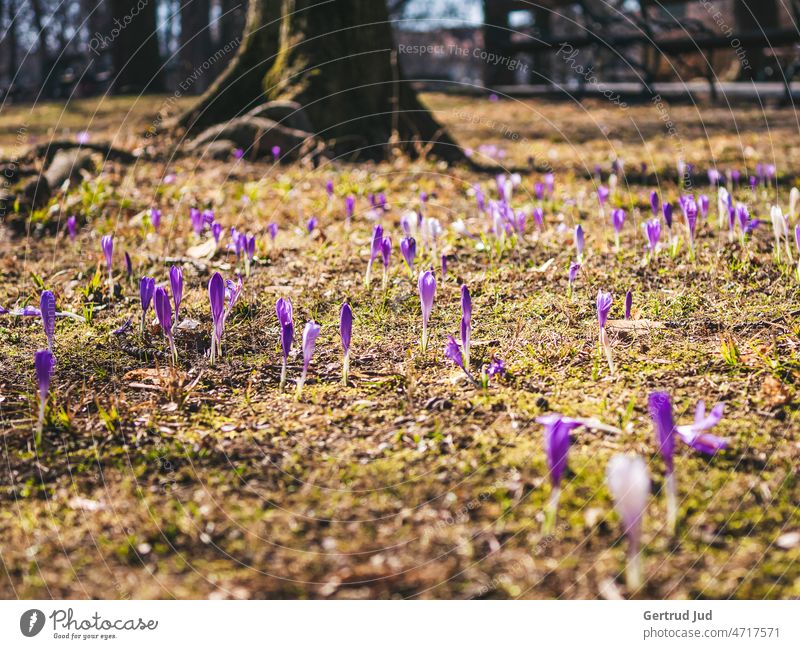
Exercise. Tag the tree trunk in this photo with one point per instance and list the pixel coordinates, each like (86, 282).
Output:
(231, 21)
(336, 59)
(134, 43)
(195, 42)
(11, 44)
(753, 16)
(45, 81)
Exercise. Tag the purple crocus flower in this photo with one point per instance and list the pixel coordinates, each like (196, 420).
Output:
(163, 309)
(311, 224)
(427, 290)
(629, 484)
(198, 220)
(107, 245)
(666, 210)
(375, 250)
(703, 204)
(128, 265)
(349, 208)
(550, 183)
(574, 267)
(147, 287)
(496, 368)
(329, 188)
(386, 256)
(617, 220)
(628, 304)
(216, 296)
(538, 217)
(604, 300)
(47, 308)
(652, 229)
(694, 435)
(176, 284)
(579, 242)
(272, 229)
(310, 333)
(248, 244)
(466, 321)
(283, 309)
(557, 431)
(602, 194)
(216, 231)
(44, 362)
(453, 352)
(538, 191)
(276, 152)
(690, 214)
(72, 227)
(654, 202)
(345, 333)
(408, 247)
(444, 267)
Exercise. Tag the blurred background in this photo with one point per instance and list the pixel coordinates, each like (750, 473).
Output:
(55, 49)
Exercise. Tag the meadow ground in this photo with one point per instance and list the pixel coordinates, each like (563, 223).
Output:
(206, 481)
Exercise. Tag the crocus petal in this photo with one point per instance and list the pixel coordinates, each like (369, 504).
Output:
(346, 325)
(47, 306)
(44, 361)
(453, 352)
(661, 414)
(629, 484)
(310, 333)
(604, 300)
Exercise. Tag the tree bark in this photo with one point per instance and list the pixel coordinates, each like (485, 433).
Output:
(11, 43)
(754, 16)
(338, 61)
(134, 47)
(44, 55)
(195, 42)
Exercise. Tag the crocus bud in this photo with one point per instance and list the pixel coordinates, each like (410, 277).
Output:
(216, 297)
(283, 309)
(579, 242)
(427, 290)
(408, 247)
(310, 333)
(652, 229)
(629, 484)
(603, 307)
(661, 414)
(155, 218)
(44, 361)
(345, 333)
(147, 287)
(557, 430)
(272, 228)
(176, 285)
(72, 227)
(164, 315)
(466, 321)
(654, 202)
(107, 245)
(47, 307)
(628, 304)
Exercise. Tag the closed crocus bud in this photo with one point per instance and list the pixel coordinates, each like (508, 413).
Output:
(466, 321)
(310, 333)
(349, 208)
(386, 256)
(345, 333)
(72, 227)
(654, 202)
(283, 309)
(276, 153)
(794, 199)
(602, 194)
(272, 229)
(579, 242)
(216, 297)
(408, 247)
(629, 484)
(427, 290)
(628, 304)
(47, 307)
(163, 309)
(44, 362)
(107, 245)
(176, 285)
(155, 218)
(147, 287)
(557, 431)
(375, 250)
